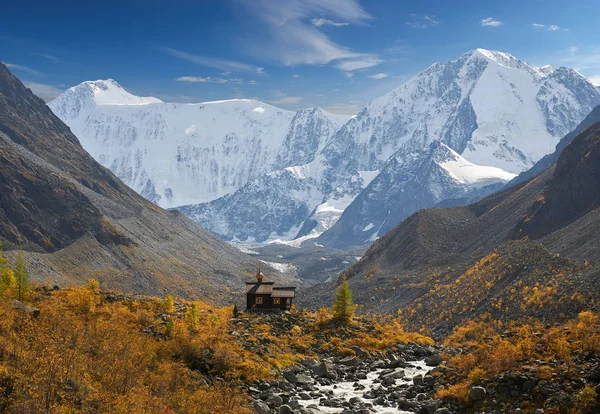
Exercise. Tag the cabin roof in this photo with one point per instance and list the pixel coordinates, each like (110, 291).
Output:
(259, 289)
(284, 293)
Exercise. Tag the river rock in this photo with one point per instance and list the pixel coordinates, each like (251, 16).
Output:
(260, 407)
(285, 409)
(434, 360)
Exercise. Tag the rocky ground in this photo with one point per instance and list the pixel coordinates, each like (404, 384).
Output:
(399, 380)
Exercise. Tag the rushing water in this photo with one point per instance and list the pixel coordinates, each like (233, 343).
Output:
(346, 390)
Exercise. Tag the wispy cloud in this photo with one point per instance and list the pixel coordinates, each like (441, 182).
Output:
(287, 100)
(24, 69)
(490, 22)
(421, 21)
(362, 63)
(208, 79)
(581, 58)
(294, 39)
(252, 82)
(46, 92)
(552, 27)
(327, 22)
(296, 76)
(49, 57)
(379, 76)
(221, 64)
(350, 109)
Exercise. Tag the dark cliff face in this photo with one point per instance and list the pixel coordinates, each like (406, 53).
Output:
(75, 220)
(44, 173)
(574, 190)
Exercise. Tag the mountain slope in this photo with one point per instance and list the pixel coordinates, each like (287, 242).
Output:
(550, 159)
(76, 220)
(497, 256)
(179, 154)
(406, 184)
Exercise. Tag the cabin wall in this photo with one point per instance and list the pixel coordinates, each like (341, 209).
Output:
(268, 303)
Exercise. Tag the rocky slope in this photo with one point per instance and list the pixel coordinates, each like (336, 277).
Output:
(461, 262)
(178, 154)
(490, 108)
(76, 220)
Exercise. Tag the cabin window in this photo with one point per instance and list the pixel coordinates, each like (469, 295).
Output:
(276, 301)
(258, 300)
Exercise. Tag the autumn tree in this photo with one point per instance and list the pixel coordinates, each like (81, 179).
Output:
(21, 277)
(7, 277)
(343, 308)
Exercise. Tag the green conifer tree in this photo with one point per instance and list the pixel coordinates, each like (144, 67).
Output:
(21, 277)
(343, 308)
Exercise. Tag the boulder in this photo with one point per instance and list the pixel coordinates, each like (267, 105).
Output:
(274, 401)
(434, 360)
(260, 407)
(290, 376)
(418, 379)
(20, 306)
(285, 409)
(477, 394)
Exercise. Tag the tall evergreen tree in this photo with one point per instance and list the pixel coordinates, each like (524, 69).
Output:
(343, 308)
(21, 277)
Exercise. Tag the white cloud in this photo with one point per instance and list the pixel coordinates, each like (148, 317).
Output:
(552, 27)
(595, 80)
(349, 75)
(296, 76)
(287, 100)
(490, 22)
(49, 57)
(324, 22)
(252, 82)
(379, 76)
(350, 109)
(418, 21)
(196, 79)
(221, 64)
(292, 40)
(364, 62)
(208, 79)
(46, 92)
(20, 68)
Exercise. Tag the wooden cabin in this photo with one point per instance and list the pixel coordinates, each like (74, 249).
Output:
(265, 296)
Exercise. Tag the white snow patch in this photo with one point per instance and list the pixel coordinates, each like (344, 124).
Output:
(476, 176)
(368, 227)
(259, 110)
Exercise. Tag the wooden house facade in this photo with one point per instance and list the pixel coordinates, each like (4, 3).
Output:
(265, 296)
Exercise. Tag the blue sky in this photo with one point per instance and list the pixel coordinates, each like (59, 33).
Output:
(337, 54)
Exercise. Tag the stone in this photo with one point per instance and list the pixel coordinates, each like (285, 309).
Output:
(350, 361)
(285, 409)
(418, 379)
(290, 376)
(477, 394)
(274, 401)
(260, 407)
(442, 411)
(20, 306)
(434, 360)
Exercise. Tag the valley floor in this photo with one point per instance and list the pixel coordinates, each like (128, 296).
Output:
(93, 351)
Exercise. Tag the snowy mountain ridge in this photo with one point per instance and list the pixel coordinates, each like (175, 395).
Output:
(176, 154)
